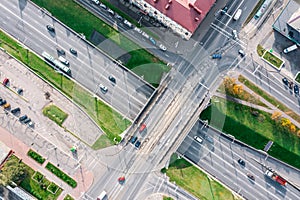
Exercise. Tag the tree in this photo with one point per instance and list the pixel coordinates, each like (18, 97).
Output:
(228, 84)
(285, 122)
(276, 115)
(12, 171)
(293, 128)
(298, 133)
(237, 89)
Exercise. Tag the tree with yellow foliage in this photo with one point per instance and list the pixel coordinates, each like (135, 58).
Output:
(298, 133)
(237, 89)
(293, 128)
(285, 122)
(276, 114)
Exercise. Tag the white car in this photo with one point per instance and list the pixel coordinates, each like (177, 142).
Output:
(138, 30)
(103, 88)
(103, 6)
(145, 35)
(234, 34)
(198, 139)
(63, 60)
(96, 2)
(111, 12)
(127, 23)
(162, 47)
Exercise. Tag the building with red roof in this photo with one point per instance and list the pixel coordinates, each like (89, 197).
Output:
(182, 16)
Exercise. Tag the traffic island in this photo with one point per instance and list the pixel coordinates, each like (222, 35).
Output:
(272, 59)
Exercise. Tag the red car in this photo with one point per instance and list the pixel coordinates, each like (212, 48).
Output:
(5, 81)
(142, 127)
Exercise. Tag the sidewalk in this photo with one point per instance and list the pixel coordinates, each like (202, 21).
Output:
(83, 177)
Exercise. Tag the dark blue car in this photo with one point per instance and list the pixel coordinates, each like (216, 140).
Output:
(216, 56)
(133, 139)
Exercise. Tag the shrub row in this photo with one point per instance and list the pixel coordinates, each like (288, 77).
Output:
(60, 174)
(35, 156)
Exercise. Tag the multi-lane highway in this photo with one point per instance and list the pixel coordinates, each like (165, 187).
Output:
(218, 155)
(90, 67)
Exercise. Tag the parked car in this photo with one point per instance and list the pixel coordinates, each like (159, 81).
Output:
(242, 53)
(112, 79)
(241, 162)
(6, 106)
(96, 2)
(291, 84)
(234, 34)
(63, 60)
(285, 81)
(103, 88)
(60, 51)
(15, 110)
(216, 56)
(20, 91)
(138, 144)
(296, 89)
(133, 139)
(224, 10)
(26, 121)
(152, 41)
(5, 82)
(142, 128)
(198, 139)
(73, 51)
(127, 23)
(120, 18)
(50, 28)
(31, 124)
(251, 176)
(2, 102)
(110, 11)
(103, 6)
(138, 30)
(22, 118)
(162, 47)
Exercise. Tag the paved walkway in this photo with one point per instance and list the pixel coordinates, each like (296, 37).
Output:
(270, 110)
(83, 177)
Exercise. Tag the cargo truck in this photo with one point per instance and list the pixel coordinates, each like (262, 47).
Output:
(275, 177)
(291, 48)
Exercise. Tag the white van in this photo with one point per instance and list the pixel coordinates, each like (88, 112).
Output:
(237, 14)
(102, 196)
(198, 139)
(63, 60)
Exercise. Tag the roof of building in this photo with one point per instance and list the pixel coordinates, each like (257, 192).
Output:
(188, 13)
(4, 152)
(295, 20)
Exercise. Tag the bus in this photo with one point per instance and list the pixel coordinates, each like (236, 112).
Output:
(57, 63)
(262, 9)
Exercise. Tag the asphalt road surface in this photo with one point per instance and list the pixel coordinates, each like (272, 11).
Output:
(218, 155)
(90, 67)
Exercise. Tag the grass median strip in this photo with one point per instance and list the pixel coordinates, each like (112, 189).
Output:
(35, 156)
(111, 122)
(60, 174)
(82, 21)
(195, 181)
(274, 60)
(255, 128)
(269, 98)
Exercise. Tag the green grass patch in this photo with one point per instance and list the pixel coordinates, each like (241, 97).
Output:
(253, 12)
(253, 127)
(102, 142)
(35, 156)
(38, 176)
(196, 182)
(108, 119)
(167, 198)
(68, 197)
(53, 188)
(82, 21)
(298, 77)
(274, 60)
(260, 50)
(60, 174)
(269, 98)
(55, 114)
(36, 184)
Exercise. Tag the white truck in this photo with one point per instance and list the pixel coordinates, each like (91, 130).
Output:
(291, 48)
(237, 15)
(102, 196)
